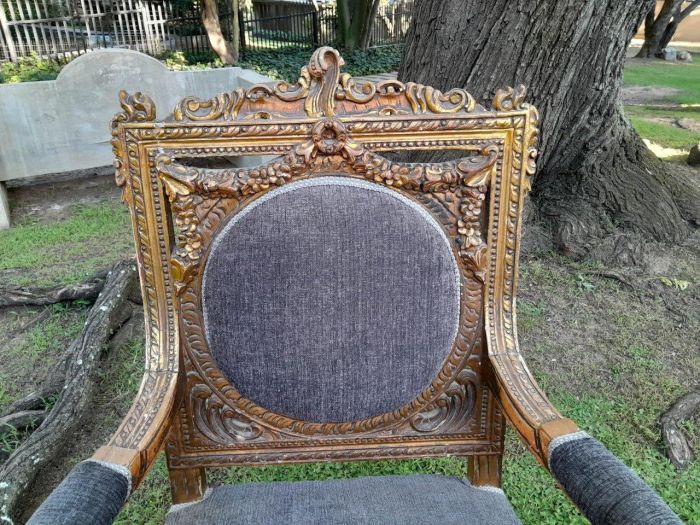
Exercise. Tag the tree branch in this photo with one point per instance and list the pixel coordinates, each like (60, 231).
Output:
(689, 9)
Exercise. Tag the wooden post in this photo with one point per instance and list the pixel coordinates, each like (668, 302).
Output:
(147, 24)
(316, 30)
(241, 28)
(11, 50)
(4, 206)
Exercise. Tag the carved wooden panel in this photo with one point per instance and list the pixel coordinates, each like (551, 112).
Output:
(325, 123)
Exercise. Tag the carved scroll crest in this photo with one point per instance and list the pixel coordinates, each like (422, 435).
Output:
(323, 91)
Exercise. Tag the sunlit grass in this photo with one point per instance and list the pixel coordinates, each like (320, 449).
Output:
(684, 77)
(67, 250)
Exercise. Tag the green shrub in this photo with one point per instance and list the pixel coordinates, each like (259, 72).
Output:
(28, 69)
(284, 64)
(280, 64)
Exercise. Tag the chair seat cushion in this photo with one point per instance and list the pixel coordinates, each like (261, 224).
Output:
(377, 500)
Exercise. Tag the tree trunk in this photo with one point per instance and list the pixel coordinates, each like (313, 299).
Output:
(658, 31)
(227, 52)
(355, 20)
(594, 172)
(655, 27)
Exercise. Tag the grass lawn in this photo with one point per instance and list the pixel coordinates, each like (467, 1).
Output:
(593, 344)
(658, 122)
(683, 77)
(68, 251)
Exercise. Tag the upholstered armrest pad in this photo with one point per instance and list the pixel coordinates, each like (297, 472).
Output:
(605, 490)
(93, 492)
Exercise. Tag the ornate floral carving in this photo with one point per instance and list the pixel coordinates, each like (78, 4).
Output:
(330, 146)
(217, 420)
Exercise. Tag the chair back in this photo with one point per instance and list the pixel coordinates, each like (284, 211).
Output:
(320, 300)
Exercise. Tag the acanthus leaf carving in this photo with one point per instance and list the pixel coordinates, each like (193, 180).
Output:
(452, 408)
(224, 106)
(136, 108)
(509, 99)
(216, 420)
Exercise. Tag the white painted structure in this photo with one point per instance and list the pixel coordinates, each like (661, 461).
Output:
(63, 124)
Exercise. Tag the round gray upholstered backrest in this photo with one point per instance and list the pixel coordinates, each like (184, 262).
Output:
(331, 300)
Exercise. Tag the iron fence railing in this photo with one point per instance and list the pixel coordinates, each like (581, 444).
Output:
(61, 29)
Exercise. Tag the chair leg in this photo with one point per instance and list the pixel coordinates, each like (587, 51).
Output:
(485, 470)
(187, 484)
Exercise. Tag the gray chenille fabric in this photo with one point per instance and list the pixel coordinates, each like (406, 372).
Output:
(331, 299)
(603, 487)
(382, 500)
(92, 493)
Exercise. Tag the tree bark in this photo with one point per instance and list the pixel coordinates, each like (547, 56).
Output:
(227, 52)
(595, 174)
(110, 311)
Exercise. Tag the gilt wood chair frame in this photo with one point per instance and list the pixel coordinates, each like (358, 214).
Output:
(327, 123)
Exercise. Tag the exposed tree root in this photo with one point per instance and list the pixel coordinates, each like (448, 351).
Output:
(22, 420)
(16, 296)
(78, 372)
(679, 451)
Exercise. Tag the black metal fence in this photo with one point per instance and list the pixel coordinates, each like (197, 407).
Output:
(62, 29)
(319, 27)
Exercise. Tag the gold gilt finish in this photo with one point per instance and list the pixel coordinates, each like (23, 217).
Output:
(327, 123)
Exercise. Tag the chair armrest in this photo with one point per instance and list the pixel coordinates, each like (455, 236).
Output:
(603, 487)
(93, 492)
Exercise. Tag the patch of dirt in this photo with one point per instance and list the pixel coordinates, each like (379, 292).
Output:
(665, 153)
(588, 333)
(680, 123)
(648, 95)
(49, 198)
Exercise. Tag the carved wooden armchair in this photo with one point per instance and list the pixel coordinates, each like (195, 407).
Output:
(332, 304)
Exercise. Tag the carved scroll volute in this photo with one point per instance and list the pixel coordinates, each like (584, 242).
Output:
(137, 108)
(324, 70)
